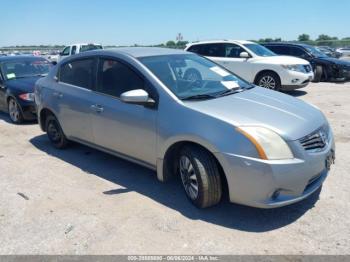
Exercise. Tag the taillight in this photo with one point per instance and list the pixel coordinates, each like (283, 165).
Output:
(27, 97)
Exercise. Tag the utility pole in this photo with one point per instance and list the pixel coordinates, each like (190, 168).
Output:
(179, 37)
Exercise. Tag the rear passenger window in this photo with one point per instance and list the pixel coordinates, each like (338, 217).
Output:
(280, 50)
(115, 78)
(195, 49)
(79, 73)
(214, 50)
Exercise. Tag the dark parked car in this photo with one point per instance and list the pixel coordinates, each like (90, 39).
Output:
(329, 51)
(18, 75)
(325, 68)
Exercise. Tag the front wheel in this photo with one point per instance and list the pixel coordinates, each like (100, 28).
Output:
(318, 72)
(269, 80)
(200, 176)
(55, 133)
(15, 111)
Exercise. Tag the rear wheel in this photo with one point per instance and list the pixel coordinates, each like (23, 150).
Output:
(200, 176)
(15, 111)
(55, 133)
(269, 80)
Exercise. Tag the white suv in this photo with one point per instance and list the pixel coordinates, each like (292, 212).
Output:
(76, 49)
(256, 64)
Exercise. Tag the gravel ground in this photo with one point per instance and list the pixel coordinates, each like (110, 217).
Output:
(81, 201)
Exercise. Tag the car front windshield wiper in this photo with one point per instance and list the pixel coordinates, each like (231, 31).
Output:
(199, 97)
(45, 74)
(229, 92)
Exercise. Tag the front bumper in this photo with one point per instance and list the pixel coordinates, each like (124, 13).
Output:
(275, 183)
(291, 80)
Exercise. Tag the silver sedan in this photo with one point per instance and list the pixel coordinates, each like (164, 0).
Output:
(183, 115)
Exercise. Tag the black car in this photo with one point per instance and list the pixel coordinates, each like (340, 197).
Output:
(18, 75)
(325, 68)
(329, 51)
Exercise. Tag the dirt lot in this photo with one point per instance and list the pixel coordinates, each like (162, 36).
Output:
(81, 201)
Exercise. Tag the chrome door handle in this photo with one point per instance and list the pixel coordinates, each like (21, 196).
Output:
(57, 94)
(97, 108)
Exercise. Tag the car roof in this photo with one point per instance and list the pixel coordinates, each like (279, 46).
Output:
(83, 44)
(285, 43)
(19, 57)
(221, 41)
(138, 51)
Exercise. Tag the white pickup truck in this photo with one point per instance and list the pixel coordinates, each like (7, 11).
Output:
(77, 48)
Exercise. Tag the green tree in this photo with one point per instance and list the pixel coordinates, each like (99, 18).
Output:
(181, 43)
(324, 37)
(170, 43)
(304, 37)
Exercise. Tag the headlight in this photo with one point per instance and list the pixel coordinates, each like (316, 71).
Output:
(270, 145)
(296, 68)
(27, 97)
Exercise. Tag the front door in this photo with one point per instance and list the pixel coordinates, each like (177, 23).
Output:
(233, 62)
(127, 129)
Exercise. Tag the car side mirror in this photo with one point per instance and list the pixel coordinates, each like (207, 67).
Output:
(138, 97)
(244, 55)
(54, 63)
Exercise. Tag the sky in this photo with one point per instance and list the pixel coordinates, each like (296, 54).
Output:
(147, 22)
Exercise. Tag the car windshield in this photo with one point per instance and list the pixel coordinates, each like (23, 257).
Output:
(259, 50)
(315, 52)
(192, 76)
(85, 48)
(21, 68)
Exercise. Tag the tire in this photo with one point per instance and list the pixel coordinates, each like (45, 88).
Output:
(15, 111)
(269, 80)
(198, 168)
(318, 72)
(55, 133)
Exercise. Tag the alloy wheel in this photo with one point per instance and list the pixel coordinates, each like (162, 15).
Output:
(267, 82)
(14, 111)
(188, 177)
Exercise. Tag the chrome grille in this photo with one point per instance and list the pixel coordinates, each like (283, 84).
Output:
(317, 140)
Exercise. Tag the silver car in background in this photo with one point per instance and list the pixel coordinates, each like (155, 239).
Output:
(183, 115)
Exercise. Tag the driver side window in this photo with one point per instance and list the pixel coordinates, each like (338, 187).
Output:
(115, 78)
(233, 51)
(296, 51)
(66, 51)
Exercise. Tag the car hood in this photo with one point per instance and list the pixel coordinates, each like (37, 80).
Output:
(333, 60)
(23, 84)
(283, 60)
(288, 116)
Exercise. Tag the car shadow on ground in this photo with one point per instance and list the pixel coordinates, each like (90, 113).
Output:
(5, 117)
(296, 93)
(133, 177)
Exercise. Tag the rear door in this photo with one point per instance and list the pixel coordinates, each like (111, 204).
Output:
(127, 129)
(72, 97)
